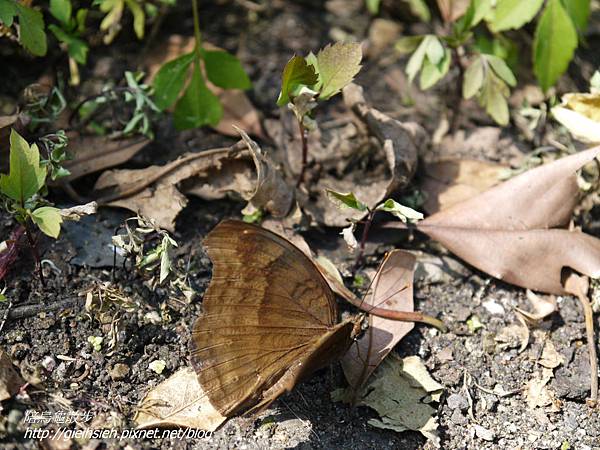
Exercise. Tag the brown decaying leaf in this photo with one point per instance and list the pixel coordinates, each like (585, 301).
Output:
(237, 109)
(179, 401)
(452, 9)
(158, 192)
(10, 380)
(10, 253)
(504, 231)
(269, 320)
(542, 306)
(399, 141)
(94, 153)
(451, 181)
(392, 288)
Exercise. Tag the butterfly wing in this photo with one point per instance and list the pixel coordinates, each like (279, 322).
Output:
(265, 310)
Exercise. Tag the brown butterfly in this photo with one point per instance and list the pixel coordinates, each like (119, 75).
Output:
(269, 320)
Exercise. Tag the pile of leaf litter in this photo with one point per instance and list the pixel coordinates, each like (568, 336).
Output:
(513, 371)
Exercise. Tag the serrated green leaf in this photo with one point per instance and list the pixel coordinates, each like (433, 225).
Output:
(482, 9)
(336, 66)
(501, 69)
(404, 213)
(198, 106)
(48, 219)
(554, 43)
(170, 80)
(139, 17)
(225, 70)
(513, 14)
(297, 72)
(8, 11)
(26, 176)
(346, 199)
(61, 10)
(473, 80)
(31, 30)
(432, 73)
(579, 11)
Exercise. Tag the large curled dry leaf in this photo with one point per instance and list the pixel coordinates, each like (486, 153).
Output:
(237, 109)
(179, 401)
(158, 192)
(94, 153)
(399, 143)
(392, 288)
(506, 231)
(451, 181)
(10, 380)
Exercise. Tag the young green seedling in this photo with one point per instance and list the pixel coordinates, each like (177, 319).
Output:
(316, 78)
(22, 190)
(198, 105)
(349, 200)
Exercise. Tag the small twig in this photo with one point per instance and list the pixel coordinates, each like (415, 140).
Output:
(25, 311)
(304, 141)
(34, 252)
(5, 316)
(459, 83)
(363, 239)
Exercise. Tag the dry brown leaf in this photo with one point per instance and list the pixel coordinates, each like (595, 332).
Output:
(179, 401)
(94, 153)
(504, 231)
(452, 9)
(451, 181)
(550, 357)
(537, 393)
(237, 109)
(392, 288)
(10, 380)
(158, 192)
(399, 142)
(542, 306)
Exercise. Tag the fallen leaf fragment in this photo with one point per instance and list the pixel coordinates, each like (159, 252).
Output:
(451, 181)
(504, 231)
(158, 192)
(580, 114)
(179, 401)
(543, 306)
(10, 380)
(11, 251)
(75, 213)
(399, 392)
(392, 288)
(513, 336)
(550, 357)
(537, 393)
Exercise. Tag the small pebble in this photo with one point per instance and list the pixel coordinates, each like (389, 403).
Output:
(457, 401)
(484, 433)
(119, 371)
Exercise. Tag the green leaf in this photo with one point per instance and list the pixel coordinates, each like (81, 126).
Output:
(418, 57)
(404, 213)
(48, 219)
(481, 10)
(434, 51)
(26, 175)
(225, 70)
(473, 80)
(373, 6)
(420, 9)
(31, 30)
(139, 17)
(501, 69)
(170, 80)
(8, 10)
(336, 66)
(408, 44)
(297, 72)
(554, 43)
(77, 48)
(513, 14)
(579, 11)
(346, 199)
(61, 10)
(432, 73)
(198, 106)
(493, 98)
(165, 260)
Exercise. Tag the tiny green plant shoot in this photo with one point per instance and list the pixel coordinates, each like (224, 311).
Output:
(198, 105)
(316, 78)
(349, 200)
(478, 37)
(23, 189)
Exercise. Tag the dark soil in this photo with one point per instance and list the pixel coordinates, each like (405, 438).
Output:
(51, 347)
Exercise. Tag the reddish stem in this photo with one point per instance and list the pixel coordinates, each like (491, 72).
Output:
(304, 141)
(363, 239)
(34, 252)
